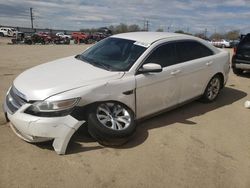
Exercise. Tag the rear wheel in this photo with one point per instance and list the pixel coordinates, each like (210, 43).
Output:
(213, 89)
(111, 123)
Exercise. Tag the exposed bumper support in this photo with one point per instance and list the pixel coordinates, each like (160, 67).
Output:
(38, 129)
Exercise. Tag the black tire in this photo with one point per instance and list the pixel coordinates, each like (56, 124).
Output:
(212, 90)
(1, 34)
(29, 42)
(14, 41)
(237, 71)
(105, 134)
(67, 41)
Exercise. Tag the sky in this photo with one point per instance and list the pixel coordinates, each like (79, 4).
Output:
(194, 16)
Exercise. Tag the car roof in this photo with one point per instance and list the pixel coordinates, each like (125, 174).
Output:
(147, 38)
(150, 37)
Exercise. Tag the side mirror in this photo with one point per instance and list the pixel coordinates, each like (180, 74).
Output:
(150, 67)
(77, 56)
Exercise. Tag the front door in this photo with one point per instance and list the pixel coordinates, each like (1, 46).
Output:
(157, 91)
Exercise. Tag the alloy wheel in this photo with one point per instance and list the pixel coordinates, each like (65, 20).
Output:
(113, 116)
(213, 88)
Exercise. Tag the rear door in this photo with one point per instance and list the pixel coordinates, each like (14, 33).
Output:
(196, 61)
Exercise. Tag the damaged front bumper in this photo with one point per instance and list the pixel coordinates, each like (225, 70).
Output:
(38, 129)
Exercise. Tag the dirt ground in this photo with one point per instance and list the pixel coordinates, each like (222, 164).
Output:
(197, 145)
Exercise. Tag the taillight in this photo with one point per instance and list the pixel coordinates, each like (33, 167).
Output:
(235, 49)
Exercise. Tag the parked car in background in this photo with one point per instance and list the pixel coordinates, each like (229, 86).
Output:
(19, 38)
(234, 43)
(241, 57)
(222, 43)
(101, 34)
(63, 35)
(7, 32)
(105, 31)
(112, 84)
(45, 38)
(80, 37)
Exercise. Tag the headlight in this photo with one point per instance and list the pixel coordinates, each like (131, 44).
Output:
(52, 108)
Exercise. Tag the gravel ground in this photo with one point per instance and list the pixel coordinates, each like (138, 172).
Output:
(197, 145)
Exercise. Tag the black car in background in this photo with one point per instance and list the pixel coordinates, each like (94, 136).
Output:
(241, 57)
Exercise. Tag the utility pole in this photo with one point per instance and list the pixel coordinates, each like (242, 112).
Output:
(144, 25)
(31, 17)
(205, 33)
(147, 23)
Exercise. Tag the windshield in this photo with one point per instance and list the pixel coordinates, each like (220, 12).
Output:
(113, 54)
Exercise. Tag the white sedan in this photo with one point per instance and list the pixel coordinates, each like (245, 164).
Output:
(117, 81)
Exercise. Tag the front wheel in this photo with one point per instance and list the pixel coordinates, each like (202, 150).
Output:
(213, 89)
(111, 123)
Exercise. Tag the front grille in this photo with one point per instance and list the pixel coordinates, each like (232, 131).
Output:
(14, 100)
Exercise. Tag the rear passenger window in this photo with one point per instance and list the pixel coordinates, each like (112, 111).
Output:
(164, 55)
(190, 50)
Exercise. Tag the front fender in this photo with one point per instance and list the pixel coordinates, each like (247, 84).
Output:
(121, 90)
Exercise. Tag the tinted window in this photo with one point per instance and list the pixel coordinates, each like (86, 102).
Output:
(190, 50)
(163, 55)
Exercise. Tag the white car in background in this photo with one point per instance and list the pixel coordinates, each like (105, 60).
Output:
(222, 43)
(7, 32)
(112, 84)
(61, 34)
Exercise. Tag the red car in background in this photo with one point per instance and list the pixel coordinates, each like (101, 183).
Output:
(80, 37)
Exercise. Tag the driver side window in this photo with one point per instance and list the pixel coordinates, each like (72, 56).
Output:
(163, 55)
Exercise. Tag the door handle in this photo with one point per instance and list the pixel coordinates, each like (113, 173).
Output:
(175, 72)
(209, 63)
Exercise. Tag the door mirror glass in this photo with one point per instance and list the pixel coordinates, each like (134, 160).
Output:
(150, 67)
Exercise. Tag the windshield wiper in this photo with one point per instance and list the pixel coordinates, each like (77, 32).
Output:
(102, 65)
(94, 63)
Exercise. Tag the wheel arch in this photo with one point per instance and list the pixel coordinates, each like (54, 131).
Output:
(81, 112)
(222, 79)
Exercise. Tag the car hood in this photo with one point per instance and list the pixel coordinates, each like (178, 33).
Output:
(43, 81)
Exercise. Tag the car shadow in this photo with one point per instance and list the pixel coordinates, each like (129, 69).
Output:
(181, 115)
(76, 144)
(245, 74)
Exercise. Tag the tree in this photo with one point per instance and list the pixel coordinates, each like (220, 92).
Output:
(121, 28)
(233, 35)
(217, 36)
(160, 30)
(133, 28)
(180, 31)
(112, 28)
(200, 35)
